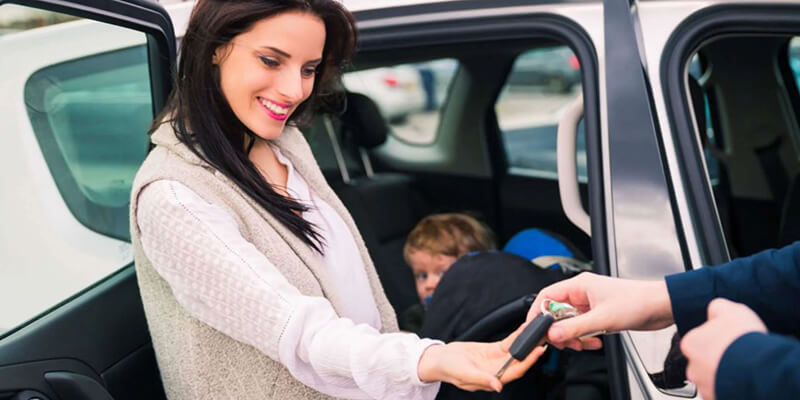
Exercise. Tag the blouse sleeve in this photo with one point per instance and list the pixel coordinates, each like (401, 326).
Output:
(224, 281)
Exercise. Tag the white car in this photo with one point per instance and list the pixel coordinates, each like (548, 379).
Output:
(79, 96)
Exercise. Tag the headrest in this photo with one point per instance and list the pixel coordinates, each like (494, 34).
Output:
(363, 121)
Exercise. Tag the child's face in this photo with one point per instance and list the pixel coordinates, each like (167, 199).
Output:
(428, 270)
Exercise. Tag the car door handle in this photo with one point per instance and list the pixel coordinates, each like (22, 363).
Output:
(69, 385)
(567, 167)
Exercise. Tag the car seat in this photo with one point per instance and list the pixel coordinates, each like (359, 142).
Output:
(534, 242)
(485, 296)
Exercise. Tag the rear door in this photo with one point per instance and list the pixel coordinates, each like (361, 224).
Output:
(81, 83)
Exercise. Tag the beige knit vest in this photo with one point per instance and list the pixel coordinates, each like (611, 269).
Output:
(196, 361)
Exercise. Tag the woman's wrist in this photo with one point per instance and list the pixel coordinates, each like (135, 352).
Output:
(428, 366)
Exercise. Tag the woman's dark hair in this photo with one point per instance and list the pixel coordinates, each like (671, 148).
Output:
(203, 119)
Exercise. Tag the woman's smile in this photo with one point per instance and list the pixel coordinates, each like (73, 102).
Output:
(277, 111)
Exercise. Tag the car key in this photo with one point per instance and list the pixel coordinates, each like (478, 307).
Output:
(532, 336)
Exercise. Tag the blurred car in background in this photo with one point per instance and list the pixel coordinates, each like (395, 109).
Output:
(397, 90)
(555, 69)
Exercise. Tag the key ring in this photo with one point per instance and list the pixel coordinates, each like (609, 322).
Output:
(561, 311)
(557, 309)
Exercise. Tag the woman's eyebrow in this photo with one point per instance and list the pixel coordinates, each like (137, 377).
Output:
(287, 55)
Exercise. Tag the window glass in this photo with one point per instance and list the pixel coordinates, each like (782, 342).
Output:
(749, 136)
(77, 107)
(794, 59)
(91, 116)
(541, 84)
(707, 137)
(409, 95)
(16, 18)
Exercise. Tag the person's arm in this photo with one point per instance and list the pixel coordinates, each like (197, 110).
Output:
(768, 282)
(224, 281)
(759, 366)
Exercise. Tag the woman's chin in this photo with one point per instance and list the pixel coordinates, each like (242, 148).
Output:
(269, 131)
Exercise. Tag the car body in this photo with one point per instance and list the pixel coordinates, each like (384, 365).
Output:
(79, 97)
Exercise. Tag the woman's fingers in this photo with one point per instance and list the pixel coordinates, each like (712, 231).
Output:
(477, 379)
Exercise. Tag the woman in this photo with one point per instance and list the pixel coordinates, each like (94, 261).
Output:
(254, 279)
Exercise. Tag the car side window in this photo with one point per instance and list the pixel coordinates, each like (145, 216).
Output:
(541, 84)
(749, 136)
(794, 59)
(89, 116)
(76, 118)
(408, 95)
(703, 116)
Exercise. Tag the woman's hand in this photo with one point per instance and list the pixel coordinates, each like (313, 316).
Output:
(472, 366)
(606, 304)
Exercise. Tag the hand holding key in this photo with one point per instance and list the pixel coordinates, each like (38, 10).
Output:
(604, 305)
(472, 366)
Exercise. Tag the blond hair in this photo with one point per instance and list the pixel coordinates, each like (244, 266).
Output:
(452, 234)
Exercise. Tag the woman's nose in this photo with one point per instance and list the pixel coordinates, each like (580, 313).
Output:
(290, 86)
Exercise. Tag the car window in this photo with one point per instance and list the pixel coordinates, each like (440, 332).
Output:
(408, 95)
(541, 84)
(794, 59)
(708, 138)
(89, 116)
(76, 132)
(748, 133)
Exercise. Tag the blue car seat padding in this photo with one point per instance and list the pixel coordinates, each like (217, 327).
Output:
(531, 243)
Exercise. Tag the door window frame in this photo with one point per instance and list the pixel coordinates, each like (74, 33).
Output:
(700, 27)
(142, 16)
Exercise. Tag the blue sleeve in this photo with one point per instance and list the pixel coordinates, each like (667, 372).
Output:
(759, 366)
(768, 282)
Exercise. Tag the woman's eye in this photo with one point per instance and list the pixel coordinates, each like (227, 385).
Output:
(309, 71)
(269, 61)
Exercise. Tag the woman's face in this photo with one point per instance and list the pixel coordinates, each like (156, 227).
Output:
(266, 72)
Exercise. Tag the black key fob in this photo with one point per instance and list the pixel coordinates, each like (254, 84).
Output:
(533, 335)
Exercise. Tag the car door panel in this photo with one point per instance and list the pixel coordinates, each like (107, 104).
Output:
(94, 344)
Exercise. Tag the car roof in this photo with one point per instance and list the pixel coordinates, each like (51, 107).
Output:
(359, 5)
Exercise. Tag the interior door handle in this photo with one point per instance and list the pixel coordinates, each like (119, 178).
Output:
(69, 385)
(567, 167)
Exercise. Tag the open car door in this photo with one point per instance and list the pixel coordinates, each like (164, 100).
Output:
(81, 81)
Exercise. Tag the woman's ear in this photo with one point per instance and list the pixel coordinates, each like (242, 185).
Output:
(220, 53)
(216, 56)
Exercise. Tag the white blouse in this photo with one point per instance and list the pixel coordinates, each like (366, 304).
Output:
(224, 281)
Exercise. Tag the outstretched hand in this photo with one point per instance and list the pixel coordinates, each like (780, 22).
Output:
(606, 305)
(472, 366)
